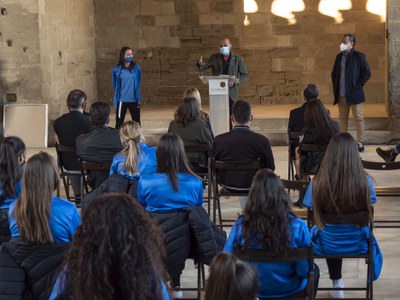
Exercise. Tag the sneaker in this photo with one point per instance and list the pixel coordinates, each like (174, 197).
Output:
(387, 155)
(361, 147)
(177, 293)
(337, 284)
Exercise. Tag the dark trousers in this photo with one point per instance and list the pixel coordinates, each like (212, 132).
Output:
(134, 110)
(334, 267)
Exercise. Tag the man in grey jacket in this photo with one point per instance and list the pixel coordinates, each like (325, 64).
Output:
(226, 63)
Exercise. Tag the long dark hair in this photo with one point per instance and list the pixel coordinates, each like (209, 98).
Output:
(231, 279)
(121, 60)
(341, 184)
(116, 252)
(267, 213)
(11, 149)
(171, 158)
(187, 112)
(32, 211)
(318, 119)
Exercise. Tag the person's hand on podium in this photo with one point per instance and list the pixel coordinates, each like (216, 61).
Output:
(201, 62)
(231, 83)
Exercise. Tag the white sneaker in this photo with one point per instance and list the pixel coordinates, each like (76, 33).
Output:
(177, 293)
(337, 284)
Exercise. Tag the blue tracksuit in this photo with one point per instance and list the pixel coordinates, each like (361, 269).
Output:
(155, 192)
(146, 162)
(277, 280)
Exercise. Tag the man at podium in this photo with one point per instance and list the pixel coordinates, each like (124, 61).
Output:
(226, 63)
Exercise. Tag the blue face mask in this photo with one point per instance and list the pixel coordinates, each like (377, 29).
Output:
(128, 58)
(224, 50)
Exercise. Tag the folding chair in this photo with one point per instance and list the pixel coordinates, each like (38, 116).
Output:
(384, 191)
(205, 149)
(300, 186)
(305, 253)
(314, 155)
(65, 157)
(86, 169)
(293, 137)
(218, 166)
(353, 218)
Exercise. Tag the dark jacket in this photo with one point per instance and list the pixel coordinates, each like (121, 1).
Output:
(245, 146)
(98, 145)
(29, 271)
(68, 127)
(189, 233)
(311, 161)
(236, 68)
(356, 75)
(114, 183)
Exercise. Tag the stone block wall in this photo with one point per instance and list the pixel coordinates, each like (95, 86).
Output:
(170, 35)
(46, 50)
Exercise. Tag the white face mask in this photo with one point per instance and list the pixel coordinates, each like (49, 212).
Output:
(224, 50)
(343, 47)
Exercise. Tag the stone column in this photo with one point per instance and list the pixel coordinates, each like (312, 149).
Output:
(393, 46)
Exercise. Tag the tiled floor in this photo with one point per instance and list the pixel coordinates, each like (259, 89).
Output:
(387, 287)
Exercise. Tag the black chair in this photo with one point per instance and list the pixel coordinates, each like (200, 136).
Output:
(206, 150)
(228, 191)
(65, 160)
(384, 191)
(363, 217)
(86, 169)
(300, 186)
(293, 138)
(311, 156)
(305, 253)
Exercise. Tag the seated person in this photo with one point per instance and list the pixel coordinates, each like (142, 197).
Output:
(242, 144)
(68, 127)
(117, 253)
(296, 117)
(231, 279)
(268, 223)
(174, 185)
(319, 129)
(137, 158)
(341, 186)
(38, 215)
(12, 159)
(192, 92)
(101, 143)
(191, 127)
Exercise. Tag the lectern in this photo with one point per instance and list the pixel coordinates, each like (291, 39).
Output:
(218, 89)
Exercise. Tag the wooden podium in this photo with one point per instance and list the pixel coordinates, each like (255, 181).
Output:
(218, 89)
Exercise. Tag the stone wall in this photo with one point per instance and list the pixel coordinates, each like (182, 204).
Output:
(170, 35)
(20, 72)
(46, 49)
(394, 68)
(67, 55)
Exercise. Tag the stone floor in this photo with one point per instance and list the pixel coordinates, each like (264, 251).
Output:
(387, 287)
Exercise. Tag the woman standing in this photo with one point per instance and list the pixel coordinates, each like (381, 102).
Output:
(126, 77)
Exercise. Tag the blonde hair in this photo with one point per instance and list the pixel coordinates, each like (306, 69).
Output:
(130, 134)
(192, 92)
(32, 210)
